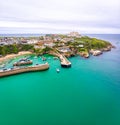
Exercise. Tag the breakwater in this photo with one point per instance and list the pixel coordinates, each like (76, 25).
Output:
(14, 71)
(64, 61)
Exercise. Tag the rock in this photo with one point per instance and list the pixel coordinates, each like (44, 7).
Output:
(95, 52)
(113, 46)
(84, 54)
(107, 49)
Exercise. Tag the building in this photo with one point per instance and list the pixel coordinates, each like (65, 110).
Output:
(81, 45)
(50, 44)
(64, 49)
(65, 40)
(74, 34)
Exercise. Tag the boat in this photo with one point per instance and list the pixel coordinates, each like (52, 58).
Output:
(2, 66)
(23, 62)
(23, 59)
(57, 70)
(43, 59)
(4, 69)
(55, 58)
(35, 57)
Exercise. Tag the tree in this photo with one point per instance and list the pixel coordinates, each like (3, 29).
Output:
(15, 49)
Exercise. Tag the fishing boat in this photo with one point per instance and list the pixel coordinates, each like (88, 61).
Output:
(23, 62)
(55, 58)
(22, 59)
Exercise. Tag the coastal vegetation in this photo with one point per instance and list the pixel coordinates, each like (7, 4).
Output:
(85, 44)
(89, 43)
(15, 48)
(41, 51)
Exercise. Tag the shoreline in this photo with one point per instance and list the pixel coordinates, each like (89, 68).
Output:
(10, 56)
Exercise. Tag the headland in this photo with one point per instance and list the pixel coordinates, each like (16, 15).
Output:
(60, 45)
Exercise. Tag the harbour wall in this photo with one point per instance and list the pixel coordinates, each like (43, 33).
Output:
(41, 67)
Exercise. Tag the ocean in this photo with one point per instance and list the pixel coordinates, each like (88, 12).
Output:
(88, 93)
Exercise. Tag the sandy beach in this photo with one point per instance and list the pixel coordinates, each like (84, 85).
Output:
(10, 56)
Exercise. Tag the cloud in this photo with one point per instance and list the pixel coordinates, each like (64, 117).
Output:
(93, 16)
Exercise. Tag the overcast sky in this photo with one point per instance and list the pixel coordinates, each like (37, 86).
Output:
(59, 16)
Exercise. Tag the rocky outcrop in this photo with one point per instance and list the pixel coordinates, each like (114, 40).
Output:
(95, 52)
(107, 48)
(84, 54)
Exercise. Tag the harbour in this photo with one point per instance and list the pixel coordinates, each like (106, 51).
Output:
(23, 65)
(90, 90)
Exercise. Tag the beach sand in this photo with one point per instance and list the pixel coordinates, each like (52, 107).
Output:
(10, 56)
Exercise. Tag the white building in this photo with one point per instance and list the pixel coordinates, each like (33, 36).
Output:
(74, 34)
(49, 44)
(32, 41)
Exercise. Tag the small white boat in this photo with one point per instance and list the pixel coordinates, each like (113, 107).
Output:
(35, 57)
(44, 59)
(2, 66)
(57, 70)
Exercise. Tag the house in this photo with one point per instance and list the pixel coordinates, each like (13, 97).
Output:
(57, 39)
(40, 43)
(47, 38)
(33, 41)
(65, 40)
(81, 45)
(50, 44)
(24, 42)
(64, 49)
(3, 43)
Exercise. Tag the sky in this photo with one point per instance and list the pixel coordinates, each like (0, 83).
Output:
(60, 16)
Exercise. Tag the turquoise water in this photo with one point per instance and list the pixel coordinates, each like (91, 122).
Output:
(88, 93)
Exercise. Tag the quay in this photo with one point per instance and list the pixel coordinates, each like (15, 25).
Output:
(64, 61)
(14, 71)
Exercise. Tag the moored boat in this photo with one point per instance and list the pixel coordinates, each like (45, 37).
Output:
(57, 70)
(44, 59)
(55, 58)
(23, 62)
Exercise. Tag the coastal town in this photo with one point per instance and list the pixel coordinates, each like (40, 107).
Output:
(68, 44)
(60, 46)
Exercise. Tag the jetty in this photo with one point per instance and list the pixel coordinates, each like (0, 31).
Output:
(64, 61)
(13, 71)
